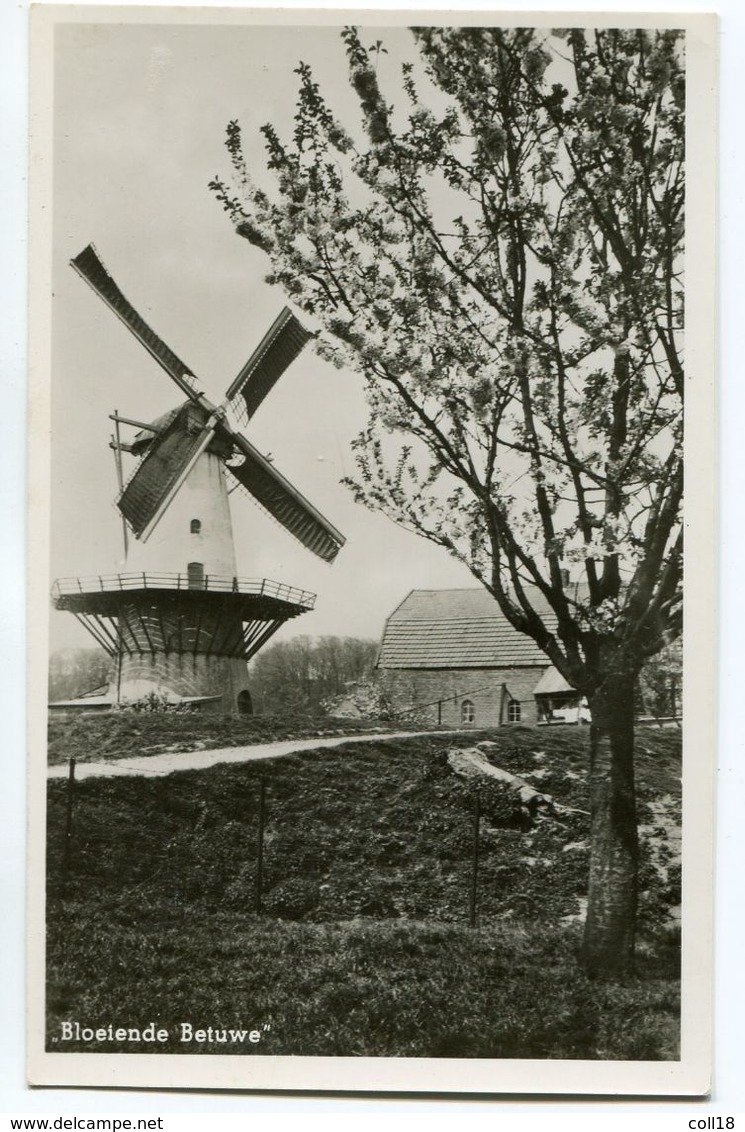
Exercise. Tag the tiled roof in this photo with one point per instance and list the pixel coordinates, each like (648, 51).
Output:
(454, 629)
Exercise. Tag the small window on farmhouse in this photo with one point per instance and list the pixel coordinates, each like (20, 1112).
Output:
(467, 714)
(513, 711)
(196, 527)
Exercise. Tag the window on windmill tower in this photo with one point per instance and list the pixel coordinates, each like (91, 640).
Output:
(195, 575)
(513, 711)
(467, 712)
(196, 527)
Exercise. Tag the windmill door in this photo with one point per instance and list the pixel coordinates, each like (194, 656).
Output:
(195, 575)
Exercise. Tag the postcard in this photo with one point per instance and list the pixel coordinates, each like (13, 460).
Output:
(372, 408)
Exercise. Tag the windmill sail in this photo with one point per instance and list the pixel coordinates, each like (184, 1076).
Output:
(169, 459)
(89, 267)
(277, 350)
(285, 503)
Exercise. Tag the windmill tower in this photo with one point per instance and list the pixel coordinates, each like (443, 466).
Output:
(179, 620)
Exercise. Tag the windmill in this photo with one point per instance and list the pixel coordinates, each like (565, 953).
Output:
(179, 620)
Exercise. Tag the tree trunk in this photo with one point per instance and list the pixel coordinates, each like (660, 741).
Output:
(608, 949)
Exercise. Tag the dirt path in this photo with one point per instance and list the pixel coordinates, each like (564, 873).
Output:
(155, 766)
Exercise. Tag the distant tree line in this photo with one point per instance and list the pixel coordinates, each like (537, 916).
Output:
(661, 684)
(300, 675)
(73, 672)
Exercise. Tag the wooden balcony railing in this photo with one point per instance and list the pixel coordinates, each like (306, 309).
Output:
(209, 583)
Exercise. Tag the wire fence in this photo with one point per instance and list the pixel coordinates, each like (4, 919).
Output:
(72, 822)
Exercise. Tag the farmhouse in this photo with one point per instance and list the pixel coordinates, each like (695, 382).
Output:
(451, 657)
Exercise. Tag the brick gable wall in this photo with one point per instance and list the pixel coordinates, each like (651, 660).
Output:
(421, 688)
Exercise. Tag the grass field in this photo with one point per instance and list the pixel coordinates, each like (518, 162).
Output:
(121, 734)
(363, 944)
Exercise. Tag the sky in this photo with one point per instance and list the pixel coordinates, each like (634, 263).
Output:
(139, 127)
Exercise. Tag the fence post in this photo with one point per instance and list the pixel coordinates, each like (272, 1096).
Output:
(260, 842)
(68, 817)
(475, 857)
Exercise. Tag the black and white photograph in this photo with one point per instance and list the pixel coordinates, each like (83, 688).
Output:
(371, 726)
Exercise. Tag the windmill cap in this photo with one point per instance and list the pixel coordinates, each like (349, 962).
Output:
(144, 437)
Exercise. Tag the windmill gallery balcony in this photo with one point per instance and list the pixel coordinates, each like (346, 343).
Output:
(138, 613)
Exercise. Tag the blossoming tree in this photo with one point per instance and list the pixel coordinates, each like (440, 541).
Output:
(497, 251)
